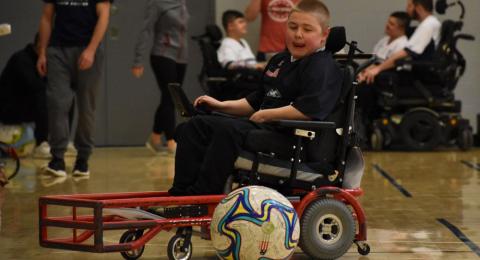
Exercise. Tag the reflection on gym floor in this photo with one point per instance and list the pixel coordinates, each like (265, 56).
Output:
(417, 204)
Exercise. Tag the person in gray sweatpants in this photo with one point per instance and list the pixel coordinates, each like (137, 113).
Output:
(73, 62)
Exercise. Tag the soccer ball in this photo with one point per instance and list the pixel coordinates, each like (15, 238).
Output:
(255, 223)
(20, 137)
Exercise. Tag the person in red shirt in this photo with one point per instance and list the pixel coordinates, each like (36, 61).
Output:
(274, 24)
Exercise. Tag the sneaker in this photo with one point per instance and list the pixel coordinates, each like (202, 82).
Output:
(52, 181)
(42, 151)
(154, 148)
(71, 150)
(81, 168)
(56, 167)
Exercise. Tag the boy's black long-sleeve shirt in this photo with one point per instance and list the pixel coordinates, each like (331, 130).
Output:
(312, 84)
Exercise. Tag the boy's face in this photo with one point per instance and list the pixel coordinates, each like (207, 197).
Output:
(304, 34)
(393, 28)
(412, 10)
(238, 27)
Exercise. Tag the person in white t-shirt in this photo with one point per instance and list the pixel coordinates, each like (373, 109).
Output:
(421, 44)
(234, 51)
(395, 38)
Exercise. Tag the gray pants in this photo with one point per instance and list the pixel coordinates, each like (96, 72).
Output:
(66, 83)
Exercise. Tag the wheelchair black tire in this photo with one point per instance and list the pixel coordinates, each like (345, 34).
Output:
(130, 236)
(429, 125)
(316, 245)
(465, 139)
(173, 247)
(377, 139)
(7, 151)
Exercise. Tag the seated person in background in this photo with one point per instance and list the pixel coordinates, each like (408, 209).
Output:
(422, 43)
(395, 39)
(23, 95)
(234, 52)
(301, 83)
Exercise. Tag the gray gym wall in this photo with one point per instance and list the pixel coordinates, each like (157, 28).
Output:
(126, 105)
(365, 22)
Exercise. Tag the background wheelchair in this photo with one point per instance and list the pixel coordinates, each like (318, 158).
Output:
(321, 178)
(428, 115)
(220, 83)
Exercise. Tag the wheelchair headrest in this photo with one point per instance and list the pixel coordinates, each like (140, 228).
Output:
(213, 32)
(337, 39)
(441, 6)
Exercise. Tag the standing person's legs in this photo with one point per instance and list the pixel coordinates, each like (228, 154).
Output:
(86, 88)
(166, 72)
(61, 63)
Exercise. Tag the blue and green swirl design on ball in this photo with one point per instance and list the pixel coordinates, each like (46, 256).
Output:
(242, 210)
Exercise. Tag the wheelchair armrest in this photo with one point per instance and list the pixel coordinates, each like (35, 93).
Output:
(463, 36)
(307, 125)
(368, 63)
(357, 56)
(216, 79)
(416, 63)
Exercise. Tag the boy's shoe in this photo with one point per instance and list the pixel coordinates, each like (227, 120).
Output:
(154, 148)
(42, 151)
(81, 168)
(56, 167)
(71, 150)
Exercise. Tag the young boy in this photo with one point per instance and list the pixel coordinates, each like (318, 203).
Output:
(302, 83)
(234, 52)
(395, 36)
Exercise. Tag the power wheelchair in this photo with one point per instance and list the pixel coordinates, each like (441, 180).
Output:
(429, 115)
(322, 185)
(216, 81)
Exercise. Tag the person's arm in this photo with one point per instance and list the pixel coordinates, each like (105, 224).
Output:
(45, 31)
(370, 74)
(87, 57)
(151, 16)
(252, 10)
(281, 113)
(239, 107)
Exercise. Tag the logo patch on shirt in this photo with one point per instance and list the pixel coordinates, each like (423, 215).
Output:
(274, 93)
(83, 3)
(272, 74)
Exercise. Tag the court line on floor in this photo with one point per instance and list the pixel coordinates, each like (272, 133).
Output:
(392, 181)
(472, 165)
(459, 234)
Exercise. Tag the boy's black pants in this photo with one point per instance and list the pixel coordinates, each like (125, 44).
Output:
(207, 148)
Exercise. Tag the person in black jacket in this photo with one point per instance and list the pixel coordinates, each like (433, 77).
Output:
(23, 97)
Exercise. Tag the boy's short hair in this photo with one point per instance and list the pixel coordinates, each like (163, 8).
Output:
(230, 16)
(427, 4)
(403, 19)
(317, 8)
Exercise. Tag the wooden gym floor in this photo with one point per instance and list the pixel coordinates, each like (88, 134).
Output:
(418, 205)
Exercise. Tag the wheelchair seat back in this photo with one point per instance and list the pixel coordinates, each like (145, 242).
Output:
(209, 44)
